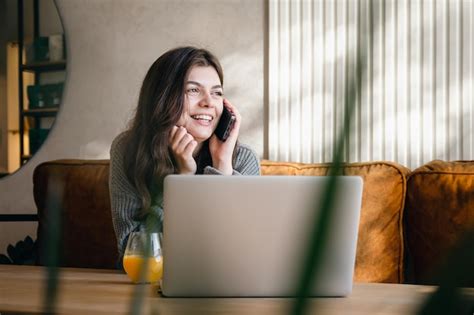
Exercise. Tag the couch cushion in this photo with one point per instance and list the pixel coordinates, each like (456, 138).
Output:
(88, 238)
(439, 210)
(380, 242)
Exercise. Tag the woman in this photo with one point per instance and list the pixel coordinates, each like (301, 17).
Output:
(180, 103)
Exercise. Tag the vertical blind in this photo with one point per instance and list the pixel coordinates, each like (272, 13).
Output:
(415, 97)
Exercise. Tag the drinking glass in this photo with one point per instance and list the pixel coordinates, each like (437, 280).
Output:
(143, 261)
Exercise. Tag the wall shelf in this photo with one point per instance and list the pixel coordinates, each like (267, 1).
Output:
(31, 116)
(41, 112)
(44, 66)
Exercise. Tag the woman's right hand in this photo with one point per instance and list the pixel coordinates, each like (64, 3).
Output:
(182, 145)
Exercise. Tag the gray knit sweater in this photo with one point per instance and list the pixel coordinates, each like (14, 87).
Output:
(126, 202)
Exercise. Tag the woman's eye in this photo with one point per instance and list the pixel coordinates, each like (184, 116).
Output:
(193, 91)
(218, 93)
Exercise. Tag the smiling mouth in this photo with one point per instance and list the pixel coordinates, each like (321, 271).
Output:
(202, 117)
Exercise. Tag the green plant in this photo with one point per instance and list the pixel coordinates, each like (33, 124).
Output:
(317, 242)
(52, 245)
(456, 273)
(24, 252)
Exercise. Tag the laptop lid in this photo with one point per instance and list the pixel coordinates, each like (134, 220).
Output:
(247, 235)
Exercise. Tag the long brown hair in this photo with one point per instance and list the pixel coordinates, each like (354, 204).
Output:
(160, 105)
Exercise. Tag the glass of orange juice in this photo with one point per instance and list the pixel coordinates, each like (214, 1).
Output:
(143, 261)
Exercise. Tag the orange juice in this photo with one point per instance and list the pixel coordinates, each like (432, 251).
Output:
(133, 264)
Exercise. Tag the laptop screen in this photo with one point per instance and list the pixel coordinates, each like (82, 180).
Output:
(247, 235)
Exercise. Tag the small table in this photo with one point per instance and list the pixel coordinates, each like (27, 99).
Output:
(92, 291)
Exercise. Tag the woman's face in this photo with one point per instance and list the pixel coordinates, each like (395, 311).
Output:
(203, 102)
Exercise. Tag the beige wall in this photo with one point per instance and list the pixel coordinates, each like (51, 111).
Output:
(110, 45)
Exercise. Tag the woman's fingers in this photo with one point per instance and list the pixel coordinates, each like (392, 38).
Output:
(182, 145)
(180, 139)
(172, 133)
(189, 148)
(235, 130)
(185, 140)
(232, 108)
(177, 137)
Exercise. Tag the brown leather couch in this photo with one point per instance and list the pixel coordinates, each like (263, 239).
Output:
(425, 211)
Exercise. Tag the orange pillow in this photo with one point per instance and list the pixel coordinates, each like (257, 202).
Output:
(439, 210)
(88, 238)
(380, 243)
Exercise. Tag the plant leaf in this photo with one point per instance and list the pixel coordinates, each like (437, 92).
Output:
(22, 252)
(13, 253)
(4, 260)
(453, 275)
(29, 244)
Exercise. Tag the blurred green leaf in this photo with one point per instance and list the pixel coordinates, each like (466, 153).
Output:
(456, 273)
(317, 243)
(152, 225)
(53, 237)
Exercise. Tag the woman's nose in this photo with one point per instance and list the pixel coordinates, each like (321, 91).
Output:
(206, 100)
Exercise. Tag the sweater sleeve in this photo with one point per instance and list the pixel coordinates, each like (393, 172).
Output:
(124, 199)
(245, 162)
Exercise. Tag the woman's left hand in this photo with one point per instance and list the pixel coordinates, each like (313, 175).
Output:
(221, 151)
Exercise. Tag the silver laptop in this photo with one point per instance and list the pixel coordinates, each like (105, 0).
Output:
(236, 236)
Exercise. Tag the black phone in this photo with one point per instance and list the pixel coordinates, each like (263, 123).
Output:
(226, 122)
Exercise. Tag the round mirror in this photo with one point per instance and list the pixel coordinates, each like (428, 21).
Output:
(32, 75)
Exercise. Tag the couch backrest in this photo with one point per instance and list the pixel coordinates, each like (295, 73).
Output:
(380, 246)
(439, 212)
(88, 238)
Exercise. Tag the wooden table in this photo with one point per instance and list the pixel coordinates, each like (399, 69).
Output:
(91, 291)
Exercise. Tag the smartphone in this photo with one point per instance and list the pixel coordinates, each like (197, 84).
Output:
(226, 122)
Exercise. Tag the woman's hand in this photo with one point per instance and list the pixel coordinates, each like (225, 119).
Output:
(221, 151)
(182, 145)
